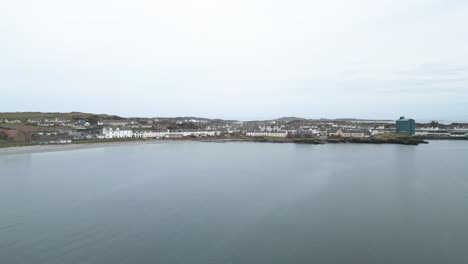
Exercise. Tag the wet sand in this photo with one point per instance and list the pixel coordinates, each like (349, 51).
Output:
(64, 147)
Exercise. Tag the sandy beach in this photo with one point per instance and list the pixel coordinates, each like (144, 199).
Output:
(50, 148)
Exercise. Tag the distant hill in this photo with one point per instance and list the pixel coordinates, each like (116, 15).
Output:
(94, 117)
(181, 118)
(352, 119)
(289, 119)
(71, 115)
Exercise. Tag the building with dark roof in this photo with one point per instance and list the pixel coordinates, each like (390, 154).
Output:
(407, 126)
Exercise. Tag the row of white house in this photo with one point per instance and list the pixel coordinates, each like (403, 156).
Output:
(270, 128)
(281, 133)
(10, 121)
(128, 133)
(117, 133)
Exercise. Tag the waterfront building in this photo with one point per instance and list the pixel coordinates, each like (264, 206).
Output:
(345, 133)
(117, 133)
(458, 134)
(407, 126)
(281, 133)
(196, 133)
(149, 134)
(179, 133)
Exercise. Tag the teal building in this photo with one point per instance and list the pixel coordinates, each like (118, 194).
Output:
(407, 126)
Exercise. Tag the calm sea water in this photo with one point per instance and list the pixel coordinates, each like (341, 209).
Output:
(236, 203)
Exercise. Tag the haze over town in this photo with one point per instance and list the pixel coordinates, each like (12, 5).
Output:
(243, 60)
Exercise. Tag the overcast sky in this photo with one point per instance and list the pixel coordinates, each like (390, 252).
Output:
(242, 59)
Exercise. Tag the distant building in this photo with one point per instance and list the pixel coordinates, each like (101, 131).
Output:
(83, 123)
(195, 133)
(281, 133)
(345, 133)
(269, 128)
(55, 120)
(407, 126)
(34, 120)
(55, 141)
(12, 121)
(147, 134)
(45, 124)
(112, 123)
(307, 133)
(117, 133)
(458, 134)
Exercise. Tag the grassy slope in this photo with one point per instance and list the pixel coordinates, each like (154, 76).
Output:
(72, 115)
(8, 144)
(32, 127)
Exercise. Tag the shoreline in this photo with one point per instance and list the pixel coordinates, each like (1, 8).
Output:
(29, 149)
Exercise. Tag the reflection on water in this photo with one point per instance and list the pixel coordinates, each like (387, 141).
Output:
(236, 203)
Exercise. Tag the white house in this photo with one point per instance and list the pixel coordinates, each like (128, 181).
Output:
(150, 134)
(12, 121)
(267, 133)
(269, 128)
(55, 120)
(117, 133)
(112, 123)
(196, 133)
(183, 133)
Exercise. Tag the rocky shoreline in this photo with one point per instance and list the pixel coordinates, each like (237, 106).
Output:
(406, 140)
(313, 141)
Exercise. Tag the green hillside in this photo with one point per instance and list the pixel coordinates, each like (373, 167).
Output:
(71, 116)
